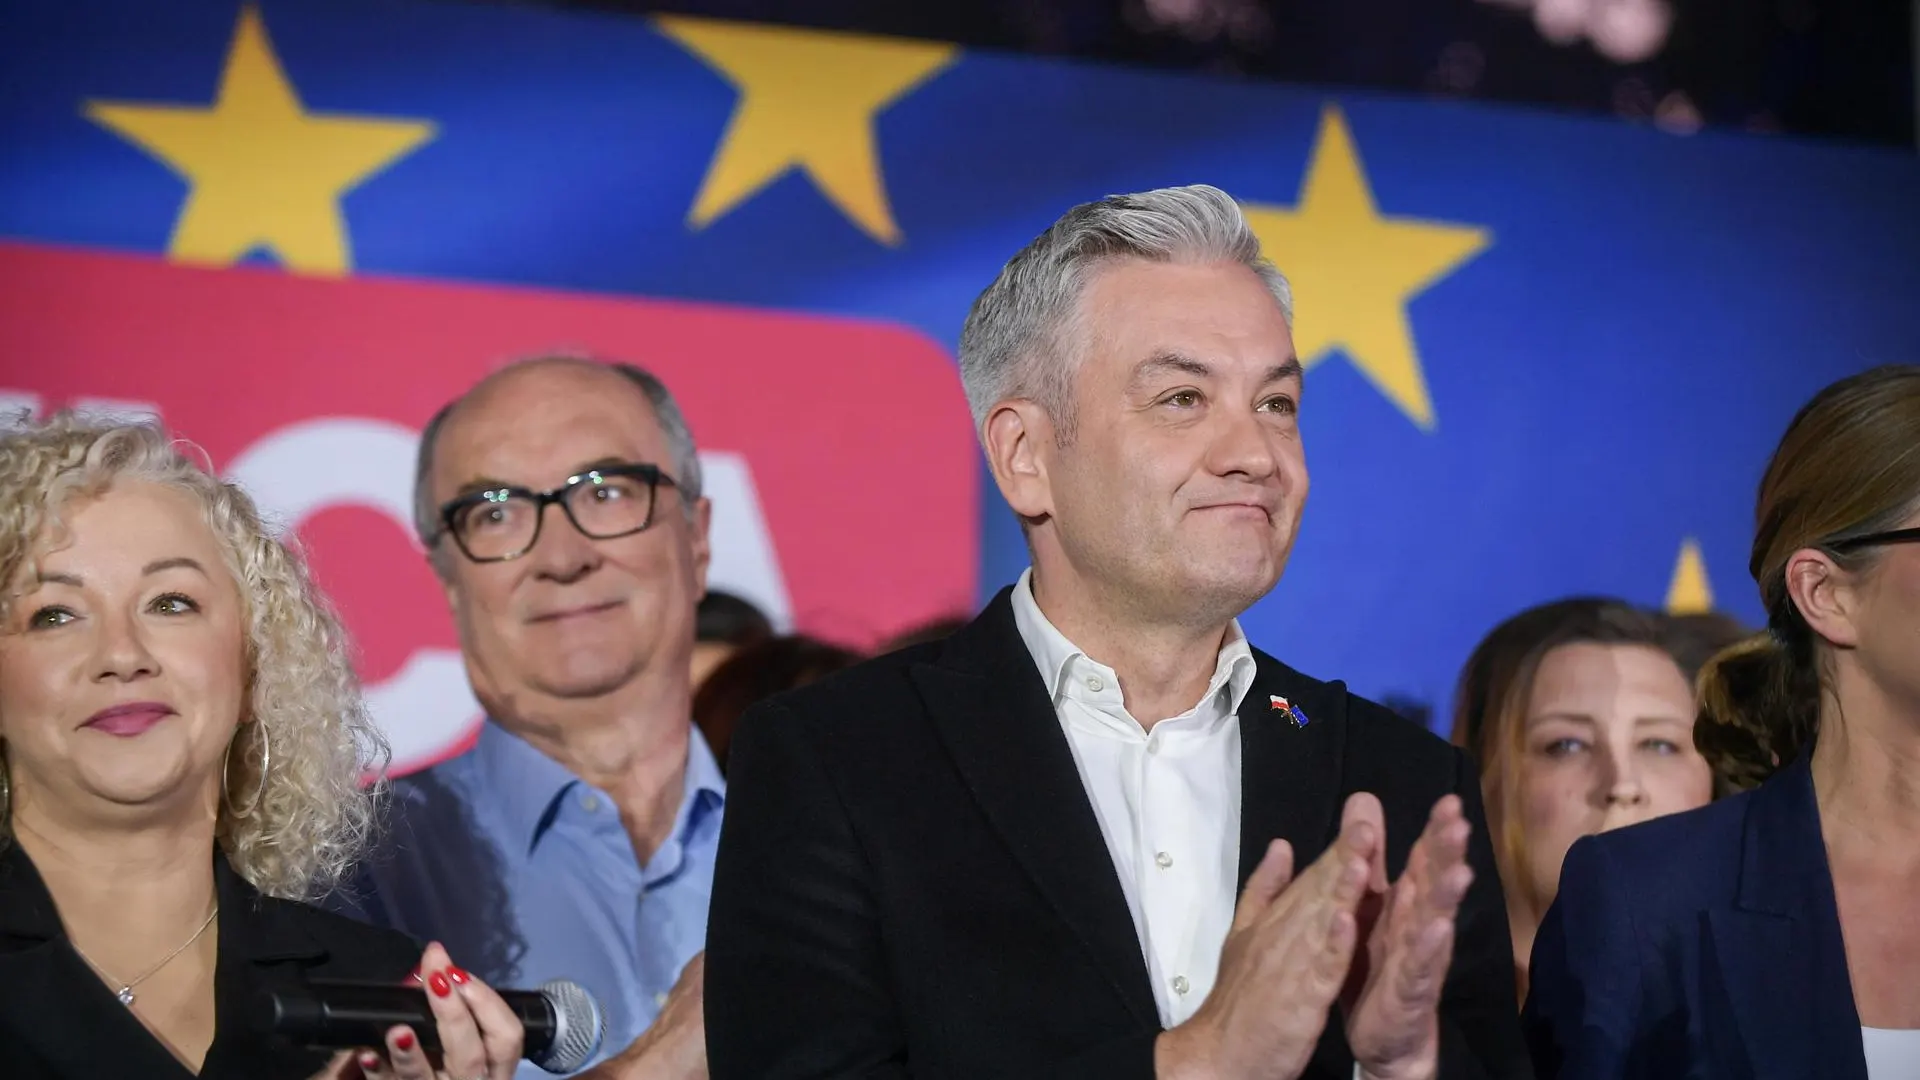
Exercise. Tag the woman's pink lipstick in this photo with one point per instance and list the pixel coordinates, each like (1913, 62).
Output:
(133, 718)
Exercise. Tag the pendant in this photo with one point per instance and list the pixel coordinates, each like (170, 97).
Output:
(126, 996)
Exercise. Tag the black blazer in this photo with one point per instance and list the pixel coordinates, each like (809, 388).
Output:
(912, 882)
(1705, 944)
(58, 1019)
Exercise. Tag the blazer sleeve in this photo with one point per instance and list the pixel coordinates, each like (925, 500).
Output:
(796, 978)
(798, 981)
(1479, 1031)
(1584, 978)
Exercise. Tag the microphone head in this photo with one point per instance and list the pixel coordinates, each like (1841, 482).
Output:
(576, 1029)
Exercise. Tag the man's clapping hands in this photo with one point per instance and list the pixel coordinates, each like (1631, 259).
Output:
(1336, 932)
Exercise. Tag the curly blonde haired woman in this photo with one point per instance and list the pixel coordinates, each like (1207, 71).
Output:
(181, 744)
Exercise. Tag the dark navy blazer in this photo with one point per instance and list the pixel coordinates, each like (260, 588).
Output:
(1701, 945)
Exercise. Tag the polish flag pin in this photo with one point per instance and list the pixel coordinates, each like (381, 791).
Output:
(1293, 712)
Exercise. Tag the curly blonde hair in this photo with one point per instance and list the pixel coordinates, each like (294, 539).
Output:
(294, 830)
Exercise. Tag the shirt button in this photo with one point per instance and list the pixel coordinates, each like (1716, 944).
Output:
(1095, 684)
(1163, 860)
(1179, 984)
(660, 1001)
(591, 804)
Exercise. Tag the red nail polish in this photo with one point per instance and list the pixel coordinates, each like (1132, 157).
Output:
(369, 1061)
(404, 1040)
(458, 976)
(438, 983)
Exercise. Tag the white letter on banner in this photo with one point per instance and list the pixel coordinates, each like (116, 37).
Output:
(15, 402)
(744, 562)
(117, 411)
(304, 468)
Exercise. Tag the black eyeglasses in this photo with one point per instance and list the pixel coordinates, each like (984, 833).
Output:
(603, 504)
(1894, 536)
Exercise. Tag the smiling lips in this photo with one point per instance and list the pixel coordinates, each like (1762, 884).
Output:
(574, 612)
(1241, 506)
(131, 719)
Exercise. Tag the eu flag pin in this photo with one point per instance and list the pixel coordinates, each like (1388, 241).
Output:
(1293, 712)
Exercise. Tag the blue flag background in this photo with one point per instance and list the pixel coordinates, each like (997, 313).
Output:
(1546, 354)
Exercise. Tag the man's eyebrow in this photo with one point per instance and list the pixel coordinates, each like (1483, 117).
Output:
(603, 463)
(488, 483)
(1166, 361)
(484, 483)
(1287, 369)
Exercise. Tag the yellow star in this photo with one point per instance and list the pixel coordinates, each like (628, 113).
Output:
(807, 100)
(1689, 593)
(1353, 270)
(262, 171)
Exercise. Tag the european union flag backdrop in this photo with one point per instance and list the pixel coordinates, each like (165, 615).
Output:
(1546, 354)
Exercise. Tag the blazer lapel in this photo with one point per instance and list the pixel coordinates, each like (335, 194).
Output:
(1779, 953)
(990, 706)
(1765, 968)
(260, 939)
(51, 1004)
(1290, 765)
(1289, 769)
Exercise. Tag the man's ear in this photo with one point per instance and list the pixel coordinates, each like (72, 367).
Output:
(701, 543)
(1018, 438)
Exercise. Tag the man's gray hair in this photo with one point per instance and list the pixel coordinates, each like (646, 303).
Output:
(685, 466)
(1023, 338)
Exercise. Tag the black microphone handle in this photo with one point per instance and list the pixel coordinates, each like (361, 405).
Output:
(340, 1015)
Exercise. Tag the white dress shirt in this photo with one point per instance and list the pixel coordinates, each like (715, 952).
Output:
(1168, 800)
(1892, 1054)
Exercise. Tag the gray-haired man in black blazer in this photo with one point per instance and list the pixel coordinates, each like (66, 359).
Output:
(1017, 852)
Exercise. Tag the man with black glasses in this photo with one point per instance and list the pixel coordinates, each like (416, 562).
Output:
(559, 503)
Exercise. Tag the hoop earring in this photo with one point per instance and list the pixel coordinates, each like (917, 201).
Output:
(260, 789)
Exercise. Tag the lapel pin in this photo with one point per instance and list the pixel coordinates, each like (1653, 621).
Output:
(1293, 712)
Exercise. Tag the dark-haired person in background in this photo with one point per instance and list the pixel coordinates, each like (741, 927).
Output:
(1581, 722)
(1699, 636)
(1781, 939)
(722, 625)
(935, 630)
(757, 672)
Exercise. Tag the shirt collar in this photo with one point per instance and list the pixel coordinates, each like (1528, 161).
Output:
(523, 782)
(1055, 655)
(704, 789)
(527, 783)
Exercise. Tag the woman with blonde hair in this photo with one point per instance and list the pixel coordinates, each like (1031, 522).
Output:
(181, 747)
(1773, 934)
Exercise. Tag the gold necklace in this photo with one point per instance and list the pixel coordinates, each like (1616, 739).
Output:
(125, 993)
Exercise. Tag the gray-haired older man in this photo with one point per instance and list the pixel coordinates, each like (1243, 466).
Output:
(559, 501)
(1016, 852)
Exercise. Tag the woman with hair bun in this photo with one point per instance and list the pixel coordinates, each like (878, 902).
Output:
(1776, 933)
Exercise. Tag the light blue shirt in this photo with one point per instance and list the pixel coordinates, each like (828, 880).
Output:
(525, 873)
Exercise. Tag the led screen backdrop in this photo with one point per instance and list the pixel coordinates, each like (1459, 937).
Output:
(1546, 354)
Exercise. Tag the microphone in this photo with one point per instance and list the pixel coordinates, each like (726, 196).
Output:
(563, 1022)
